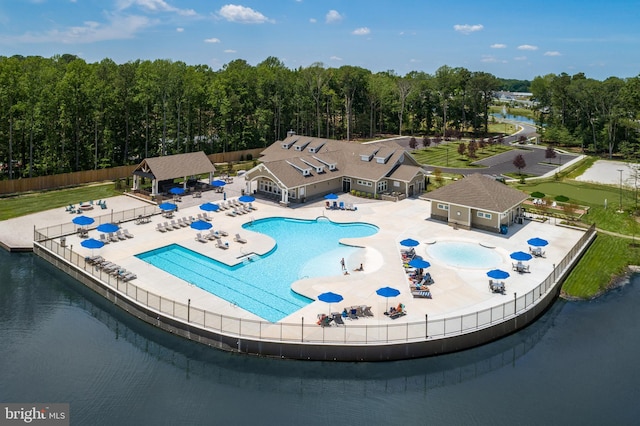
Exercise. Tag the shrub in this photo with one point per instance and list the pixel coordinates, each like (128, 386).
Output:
(561, 198)
(537, 194)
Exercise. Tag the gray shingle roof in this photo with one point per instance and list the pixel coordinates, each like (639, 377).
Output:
(479, 192)
(176, 166)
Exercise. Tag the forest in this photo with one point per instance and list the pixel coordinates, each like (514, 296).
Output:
(62, 114)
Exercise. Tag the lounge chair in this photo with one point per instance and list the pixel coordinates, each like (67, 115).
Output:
(113, 237)
(175, 225)
(93, 260)
(352, 313)
(239, 239)
(341, 205)
(222, 245)
(127, 234)
(128, 276)
(223, 233)
(200, 238)
(120, 235)
(104, 238)
(324, 320)
(327, 205)
(212, 235)
(395, 313)
(251, 206)
(366, 311)
(337, 318)
(168, 227)
(206, 217)
(425, 294)
(161, 228)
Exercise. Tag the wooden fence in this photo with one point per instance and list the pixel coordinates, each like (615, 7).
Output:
(87, 176)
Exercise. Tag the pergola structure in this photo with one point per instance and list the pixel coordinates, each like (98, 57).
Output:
(168, 167)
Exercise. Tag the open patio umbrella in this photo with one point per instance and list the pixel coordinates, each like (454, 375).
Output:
(331, 196)
(246, 199)
(83, 220)
(387, 292)
(201, 225)
(330, 297)
(167, 206)
(218, 183)
(498, 274)
(92, 243)
(419, 263)
(209, 207)
(108, 227)
(409, 243)
(520, 256)
(537, 242)
(177, 191)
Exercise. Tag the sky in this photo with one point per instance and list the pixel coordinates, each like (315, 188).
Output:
(509, 39)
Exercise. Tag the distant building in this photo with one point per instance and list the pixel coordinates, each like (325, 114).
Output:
(301, 167)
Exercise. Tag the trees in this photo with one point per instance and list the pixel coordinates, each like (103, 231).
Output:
(519, 163)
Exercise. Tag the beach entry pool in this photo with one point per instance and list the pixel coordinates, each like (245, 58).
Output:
(464, 255)
(262, 285)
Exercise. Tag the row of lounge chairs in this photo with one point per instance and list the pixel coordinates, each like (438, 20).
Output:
(182, 222)
(418, 283)
(339, 206)
(212, 236)
(114, 237)
(350, 313)
(110, 268)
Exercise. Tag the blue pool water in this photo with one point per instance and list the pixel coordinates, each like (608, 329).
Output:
(304, 248)
(464, 255)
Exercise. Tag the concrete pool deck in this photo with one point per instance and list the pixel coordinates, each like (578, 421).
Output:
(456, 291)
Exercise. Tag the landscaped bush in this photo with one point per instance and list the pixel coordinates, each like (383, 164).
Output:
(537, 194)
(561, 198)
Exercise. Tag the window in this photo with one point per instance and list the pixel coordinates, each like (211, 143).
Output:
(443, 207)
(484, 215)
(364, 183)
(382, 186)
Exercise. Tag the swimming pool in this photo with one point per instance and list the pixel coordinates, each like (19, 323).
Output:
(464, 255)
(304, 248)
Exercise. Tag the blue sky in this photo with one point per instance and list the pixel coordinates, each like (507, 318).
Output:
(508, 39)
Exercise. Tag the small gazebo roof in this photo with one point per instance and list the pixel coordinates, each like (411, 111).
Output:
(175, 166)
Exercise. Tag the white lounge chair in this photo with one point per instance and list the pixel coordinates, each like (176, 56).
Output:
(167, 226)
(206, 217)
(212, 235)
(222, 245)
(161, 228)
(200, 238)
(175, 225)
(239, 239)
(231, 213)
(127, 234)
(120, 235)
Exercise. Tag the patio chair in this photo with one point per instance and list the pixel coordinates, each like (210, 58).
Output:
(239, 239)
(161, 228)
(120, 235)
(231, 213)
(337, 318)
(221, 245)
(366, 310)
(223, 233)
(127, 234)
(324, 320)
(423, 294)
(167, 226)
(104, 238)
(212, 235)
(206, 217)
(200, 238)
(341, 205)
(175, 225)
(113, 237)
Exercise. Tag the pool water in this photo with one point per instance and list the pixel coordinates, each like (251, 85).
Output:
(464, 255)
(304, 249)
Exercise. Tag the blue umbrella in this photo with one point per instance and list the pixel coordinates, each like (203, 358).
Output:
(330, 297)
(176, 191)
(168, 206)
(108, 227)
(201, 225)
(498, 274)
(520, 256)
(246, 199)
(387, 292)
(537, 242)
(218, 183)
(419, 263)
(92, 243)
(409, 243)
(83, 220)
(331, 196)
(209, 207)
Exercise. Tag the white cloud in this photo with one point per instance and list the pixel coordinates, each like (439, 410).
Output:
(468, 29)
(552, 53)
(527, 47)
(212, 40)
(498, 46)
(118, 27)
(180, 29)
(155, 6)
(333, 16)
(490, 59)
(520, 58)
(361, 31)
(242, 14)
(313, 20)
(230, 51)
(336, 58)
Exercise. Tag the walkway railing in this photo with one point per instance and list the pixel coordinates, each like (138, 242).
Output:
(362, 332)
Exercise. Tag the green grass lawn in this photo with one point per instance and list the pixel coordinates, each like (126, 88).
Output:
(605, 260)
(25, 204)
(446, 155)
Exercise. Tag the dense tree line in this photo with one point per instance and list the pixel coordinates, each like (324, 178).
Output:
(62, 114)
(598, 117)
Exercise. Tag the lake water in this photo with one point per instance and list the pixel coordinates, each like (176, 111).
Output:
(578, 364)
(512, 117)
